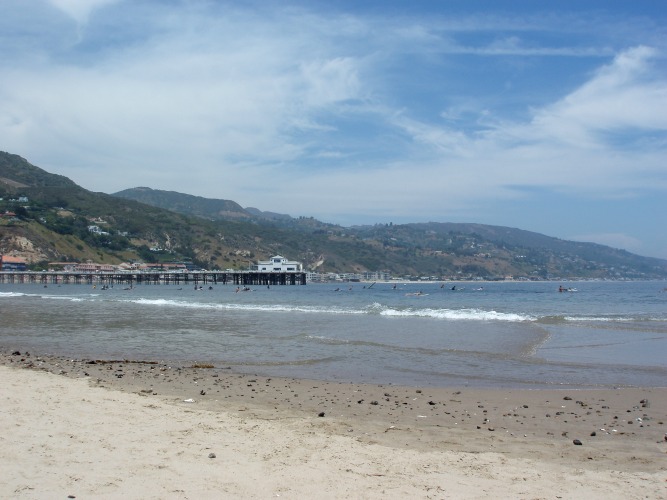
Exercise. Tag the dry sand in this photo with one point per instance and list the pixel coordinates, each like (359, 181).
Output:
(112, 429)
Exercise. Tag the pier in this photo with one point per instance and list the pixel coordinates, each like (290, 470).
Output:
(196, 278)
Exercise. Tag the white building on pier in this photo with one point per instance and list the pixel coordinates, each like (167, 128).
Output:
(277, 264)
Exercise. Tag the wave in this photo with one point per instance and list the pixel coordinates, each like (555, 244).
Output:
(619, 319)
(459, 314)
(599, 319)
(244, 307)
(45, 297)
(373, 309)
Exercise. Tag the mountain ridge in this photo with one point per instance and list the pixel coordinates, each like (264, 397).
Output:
(56, 223)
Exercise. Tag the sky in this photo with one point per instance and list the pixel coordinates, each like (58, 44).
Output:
(545, 116)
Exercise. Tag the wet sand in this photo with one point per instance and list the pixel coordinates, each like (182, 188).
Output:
(114, 428)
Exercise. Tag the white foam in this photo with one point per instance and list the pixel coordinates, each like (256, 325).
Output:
(459, 314)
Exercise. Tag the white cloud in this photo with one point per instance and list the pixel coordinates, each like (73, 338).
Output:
(80, 10)
(329, 82)
(621, 95)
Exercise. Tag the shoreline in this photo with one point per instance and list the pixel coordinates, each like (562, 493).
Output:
(622, 431)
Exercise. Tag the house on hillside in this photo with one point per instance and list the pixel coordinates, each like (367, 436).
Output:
(277, 264)
(9, 263)
(96, 230)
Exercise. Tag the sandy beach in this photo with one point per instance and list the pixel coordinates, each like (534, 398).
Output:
(111, 428)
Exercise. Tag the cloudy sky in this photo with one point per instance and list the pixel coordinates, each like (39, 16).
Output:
(547, 116)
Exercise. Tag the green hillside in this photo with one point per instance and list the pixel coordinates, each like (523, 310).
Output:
(57, 220)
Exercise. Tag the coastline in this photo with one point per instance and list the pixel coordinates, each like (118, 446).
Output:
(72, 424)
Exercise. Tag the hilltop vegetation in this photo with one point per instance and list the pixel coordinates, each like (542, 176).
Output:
(60, 221)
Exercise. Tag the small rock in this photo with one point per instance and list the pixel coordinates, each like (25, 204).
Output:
(593, 434)
(202, 392)
(567, 398)
(577, 442)
(374, 403)
(431, 403)
(320, 414)
(211, 455)
(16, 353)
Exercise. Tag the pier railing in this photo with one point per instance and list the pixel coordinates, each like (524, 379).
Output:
(198, 278)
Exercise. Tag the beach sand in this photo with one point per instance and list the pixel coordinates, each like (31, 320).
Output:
(118, 429)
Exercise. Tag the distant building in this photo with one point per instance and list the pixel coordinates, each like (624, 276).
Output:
(9, 263)
(96, 230)
(277, 264)
(91, 267)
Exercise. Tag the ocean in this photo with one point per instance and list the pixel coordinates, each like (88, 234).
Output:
(500, 334)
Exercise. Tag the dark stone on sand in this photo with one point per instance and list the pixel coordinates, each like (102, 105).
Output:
(431, 403)
(211, 455)
(593, 433)
(577, 442)
(16, 353)
(202, 392)
(320, 414)
(419, 391)
(374, 403)
(567, 398)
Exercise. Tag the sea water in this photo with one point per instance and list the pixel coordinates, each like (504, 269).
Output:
(501, 334)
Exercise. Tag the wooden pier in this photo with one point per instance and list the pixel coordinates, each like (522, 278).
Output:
(196, 278)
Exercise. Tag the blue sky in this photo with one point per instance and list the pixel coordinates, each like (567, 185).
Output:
(547, 116)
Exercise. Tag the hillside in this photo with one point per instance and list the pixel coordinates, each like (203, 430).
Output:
(206, 208)
(57, 220)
